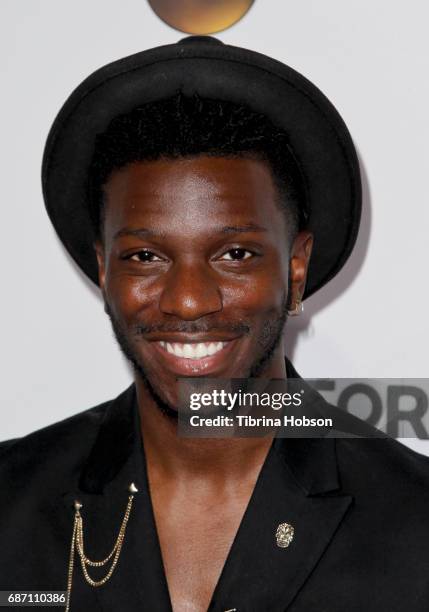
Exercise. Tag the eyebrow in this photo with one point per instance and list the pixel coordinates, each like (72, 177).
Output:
(140, 232)
(143, 232)
(237, 229)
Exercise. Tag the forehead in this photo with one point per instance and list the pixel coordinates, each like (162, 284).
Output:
(202, 191)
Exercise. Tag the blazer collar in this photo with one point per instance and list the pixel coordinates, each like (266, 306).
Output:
(312, 461)
(117, 441)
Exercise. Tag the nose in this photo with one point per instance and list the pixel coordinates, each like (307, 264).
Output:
(190, 292)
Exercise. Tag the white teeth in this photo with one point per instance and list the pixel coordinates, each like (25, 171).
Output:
(197, 350)
(188, 351)
(212, 348)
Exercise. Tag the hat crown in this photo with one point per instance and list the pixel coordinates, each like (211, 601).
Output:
(205, 40)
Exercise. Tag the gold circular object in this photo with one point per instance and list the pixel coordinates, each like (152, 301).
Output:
(284, 535)
(200, 16)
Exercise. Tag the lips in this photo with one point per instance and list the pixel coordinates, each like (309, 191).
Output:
(193, 358)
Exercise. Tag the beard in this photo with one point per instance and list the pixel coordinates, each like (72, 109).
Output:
(269, 340)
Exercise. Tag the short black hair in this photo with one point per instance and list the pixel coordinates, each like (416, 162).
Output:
(188, 126)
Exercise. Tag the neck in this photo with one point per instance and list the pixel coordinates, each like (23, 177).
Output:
(215, 461)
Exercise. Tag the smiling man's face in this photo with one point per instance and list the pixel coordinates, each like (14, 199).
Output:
(197, 269)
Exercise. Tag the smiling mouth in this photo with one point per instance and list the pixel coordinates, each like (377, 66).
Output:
(192, 351)
(195, 358)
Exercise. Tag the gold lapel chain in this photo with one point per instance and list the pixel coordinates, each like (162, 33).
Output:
(77, 543)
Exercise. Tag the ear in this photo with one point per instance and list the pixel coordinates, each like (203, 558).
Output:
(299, 260)
(101, 260)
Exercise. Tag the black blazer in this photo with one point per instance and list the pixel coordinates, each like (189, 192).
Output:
(359, 507)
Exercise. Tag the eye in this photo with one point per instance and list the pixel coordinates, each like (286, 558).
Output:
(237, 255)
(145, 256)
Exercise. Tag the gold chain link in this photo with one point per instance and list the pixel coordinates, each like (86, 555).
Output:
(77, 543)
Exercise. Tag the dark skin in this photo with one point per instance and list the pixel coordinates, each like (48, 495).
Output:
(216, 255)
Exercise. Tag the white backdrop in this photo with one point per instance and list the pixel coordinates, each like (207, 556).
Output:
(370, 57)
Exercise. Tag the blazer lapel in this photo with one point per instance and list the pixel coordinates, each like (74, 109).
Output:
(116, 460)
(298, 485)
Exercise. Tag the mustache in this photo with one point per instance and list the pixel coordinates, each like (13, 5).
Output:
(192, 327)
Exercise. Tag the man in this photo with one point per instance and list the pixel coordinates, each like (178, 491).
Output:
(193, 183)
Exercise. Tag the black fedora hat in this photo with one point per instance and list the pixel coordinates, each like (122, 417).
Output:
(318, 137)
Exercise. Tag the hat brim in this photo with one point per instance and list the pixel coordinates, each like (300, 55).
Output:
(318, 136)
